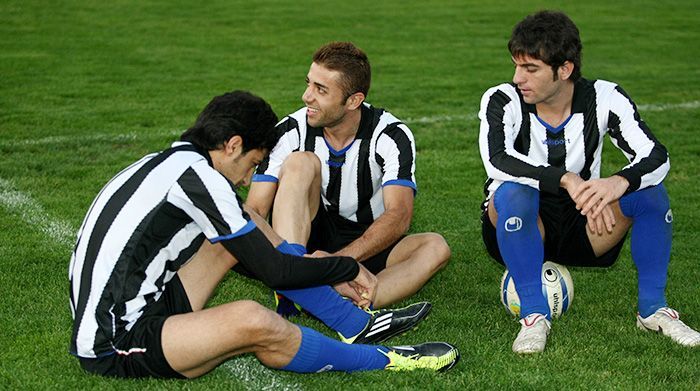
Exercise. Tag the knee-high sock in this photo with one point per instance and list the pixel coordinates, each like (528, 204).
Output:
(520, 243)
(652, 228)
(326, 304)
(319, 353)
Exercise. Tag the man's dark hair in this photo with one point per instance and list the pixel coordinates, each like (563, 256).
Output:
(237, 113)
(549, 36)
(350, 61)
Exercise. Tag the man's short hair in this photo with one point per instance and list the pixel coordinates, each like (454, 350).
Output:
(350, 61)
(237, 113)
(549, 36)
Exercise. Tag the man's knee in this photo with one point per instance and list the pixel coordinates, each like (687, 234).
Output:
(301, 164)
(439, 247)
(516, 198)
(650, 201)
(261, 325)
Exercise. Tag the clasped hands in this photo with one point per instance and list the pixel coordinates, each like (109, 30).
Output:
(594, 197)
(361, 290)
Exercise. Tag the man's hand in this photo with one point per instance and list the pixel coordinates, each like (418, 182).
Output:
(362, 290)
(593, 196)
(605, 220)
(365, 285)
(570, 182)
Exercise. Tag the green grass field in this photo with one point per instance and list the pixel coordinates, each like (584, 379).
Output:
(87, 87)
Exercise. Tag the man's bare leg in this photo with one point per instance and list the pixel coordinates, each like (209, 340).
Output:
(196, 342)
(414, 260)
(298, 197)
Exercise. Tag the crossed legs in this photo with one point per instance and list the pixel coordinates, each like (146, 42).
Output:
(412, 262)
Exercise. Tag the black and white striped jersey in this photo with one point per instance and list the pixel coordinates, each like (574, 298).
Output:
(517, 146)
(383, 153)
(142, 227)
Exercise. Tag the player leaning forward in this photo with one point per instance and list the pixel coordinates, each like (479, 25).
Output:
(161, 235)
(541, 139)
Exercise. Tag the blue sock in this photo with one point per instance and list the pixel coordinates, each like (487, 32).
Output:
(319, 353)
(652, 227)
(326, 304)
(520, 243)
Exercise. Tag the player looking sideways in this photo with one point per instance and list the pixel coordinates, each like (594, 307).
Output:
(341, 181)
(541, 140)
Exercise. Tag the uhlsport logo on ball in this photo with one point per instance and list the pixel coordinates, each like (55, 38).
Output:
(557, 287)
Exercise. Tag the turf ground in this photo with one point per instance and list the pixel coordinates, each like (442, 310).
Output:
(87, 87)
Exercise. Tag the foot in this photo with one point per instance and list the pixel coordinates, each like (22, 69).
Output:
(532, 337)
(666, 321)
(286, 307)
(437, 356)
(387, 323)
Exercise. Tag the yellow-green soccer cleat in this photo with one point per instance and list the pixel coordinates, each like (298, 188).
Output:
(286, 307)
(386, 323)
(436, 356)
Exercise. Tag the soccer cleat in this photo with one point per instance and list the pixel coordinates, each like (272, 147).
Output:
(533, 334)
(286, 307)
(437, 356)
(666, 321)
(386, 323)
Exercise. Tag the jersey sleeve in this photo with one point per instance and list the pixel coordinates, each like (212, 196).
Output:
(500, 119)
(396, 153)
(212, 203)
(259, 259)
(648, 158)
(269, 168)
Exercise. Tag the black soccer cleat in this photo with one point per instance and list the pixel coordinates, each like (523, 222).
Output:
(436, 356)
(386, 323)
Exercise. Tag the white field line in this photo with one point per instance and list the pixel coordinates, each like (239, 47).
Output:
(246, 370)
(33, 214)
(254, 376)
(131, 136)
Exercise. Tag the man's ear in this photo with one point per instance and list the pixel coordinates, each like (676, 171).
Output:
(355, 100)
(565, 70)
(233, 144)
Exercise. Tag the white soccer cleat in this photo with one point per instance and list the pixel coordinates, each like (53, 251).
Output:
(666, 321)
(533, 334)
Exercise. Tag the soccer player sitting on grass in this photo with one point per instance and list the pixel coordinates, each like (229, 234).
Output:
(341, 180)
(162, 234)
(541, 140)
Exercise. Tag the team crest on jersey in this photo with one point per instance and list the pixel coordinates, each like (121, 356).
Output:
(669, 216)
(514, 224)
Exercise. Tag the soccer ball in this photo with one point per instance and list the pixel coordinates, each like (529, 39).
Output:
(557, 287)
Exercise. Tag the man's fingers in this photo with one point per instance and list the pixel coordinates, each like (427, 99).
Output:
(580, 189)
(609, 218)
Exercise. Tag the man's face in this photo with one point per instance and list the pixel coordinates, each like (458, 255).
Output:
(236, 165)
(324, 98)
(535, 80)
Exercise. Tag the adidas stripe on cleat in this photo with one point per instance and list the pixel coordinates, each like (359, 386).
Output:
(387, 323)
(436, 356)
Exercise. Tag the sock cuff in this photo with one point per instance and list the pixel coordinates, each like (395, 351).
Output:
(299, 248)
(308, 351)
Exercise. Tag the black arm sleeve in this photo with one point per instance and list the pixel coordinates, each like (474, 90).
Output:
(282, 271)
